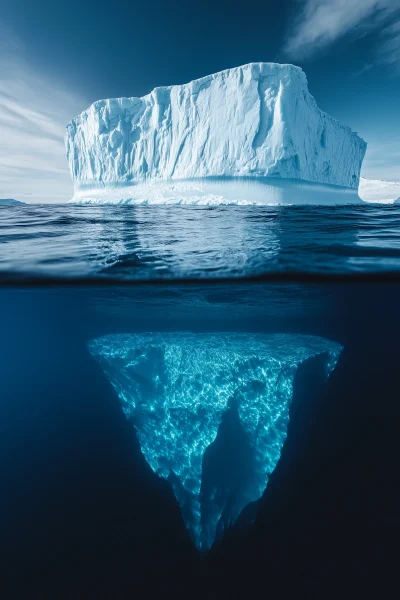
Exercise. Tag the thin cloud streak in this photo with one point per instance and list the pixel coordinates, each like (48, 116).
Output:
(322, 22)
(33, 113)
(389, 49)
(382, 160)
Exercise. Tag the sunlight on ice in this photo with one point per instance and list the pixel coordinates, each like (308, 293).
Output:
(270, 144)
(177, 388)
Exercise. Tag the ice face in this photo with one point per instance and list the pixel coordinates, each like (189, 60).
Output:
(179, 389)
(257, 122)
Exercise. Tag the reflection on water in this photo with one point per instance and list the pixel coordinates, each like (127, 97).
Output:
(135, 242)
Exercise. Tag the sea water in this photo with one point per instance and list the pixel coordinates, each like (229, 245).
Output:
(198, 401)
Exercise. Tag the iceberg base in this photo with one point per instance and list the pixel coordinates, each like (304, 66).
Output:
(216, 191)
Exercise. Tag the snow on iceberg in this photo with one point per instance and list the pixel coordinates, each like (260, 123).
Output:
(179, 390)
(248, 135)
(379, 191)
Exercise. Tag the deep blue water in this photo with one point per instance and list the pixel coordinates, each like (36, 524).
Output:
(84, 515)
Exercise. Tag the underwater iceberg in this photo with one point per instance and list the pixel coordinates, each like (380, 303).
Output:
(248, 135)
(179, 388)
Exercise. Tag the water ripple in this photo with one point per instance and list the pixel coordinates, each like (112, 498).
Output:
(149, 243)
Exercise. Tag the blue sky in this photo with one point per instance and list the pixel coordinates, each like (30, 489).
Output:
(57, 58)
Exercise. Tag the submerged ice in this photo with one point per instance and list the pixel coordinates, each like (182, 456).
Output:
(179, 389)
(251, 134)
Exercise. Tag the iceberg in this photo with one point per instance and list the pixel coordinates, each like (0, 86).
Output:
(378, 191)
(248, 135)
(10, 202)
(180, 390)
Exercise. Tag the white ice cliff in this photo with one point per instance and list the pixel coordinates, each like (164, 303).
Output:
(252, 134)
(177, 389)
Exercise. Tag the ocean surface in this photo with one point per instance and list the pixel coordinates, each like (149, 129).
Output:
(121, 244)
(199, 402)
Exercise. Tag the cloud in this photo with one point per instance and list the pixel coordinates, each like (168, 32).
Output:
(322, 22)
(382, 160)
(33, 113)
(389, 49)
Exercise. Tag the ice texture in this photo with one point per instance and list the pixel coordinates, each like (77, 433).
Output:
(176, 389)
(192, 142)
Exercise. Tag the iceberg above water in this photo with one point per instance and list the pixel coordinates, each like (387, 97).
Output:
(10, 202)
(180, 390)
(248, 135)
(379, 191)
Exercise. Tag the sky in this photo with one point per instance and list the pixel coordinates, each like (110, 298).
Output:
(56, 58)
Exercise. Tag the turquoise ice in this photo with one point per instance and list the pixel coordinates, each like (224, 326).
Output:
(176, 389)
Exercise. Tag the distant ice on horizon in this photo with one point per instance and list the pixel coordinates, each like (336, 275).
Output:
(379, 191)
(10, 202)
